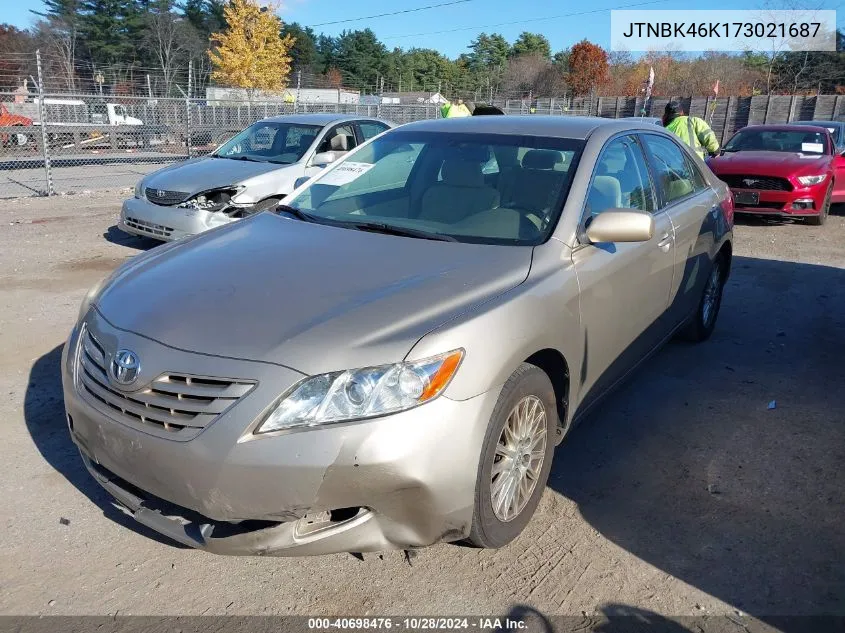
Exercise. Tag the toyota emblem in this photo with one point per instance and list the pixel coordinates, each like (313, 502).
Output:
(161, 193)
(124, 367)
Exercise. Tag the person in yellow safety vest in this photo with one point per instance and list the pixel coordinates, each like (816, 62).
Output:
(692, 130)
(451, 110)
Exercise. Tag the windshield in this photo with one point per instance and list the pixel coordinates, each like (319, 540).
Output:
(778, 141)
(268, 141)
(495, 189)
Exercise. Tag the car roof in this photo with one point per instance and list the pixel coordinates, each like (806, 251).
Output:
(786, 127)
(318, 118)
(554, 126)
(819, 123)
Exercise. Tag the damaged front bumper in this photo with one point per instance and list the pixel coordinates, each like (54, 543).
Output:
(167, 223)
(402, 481)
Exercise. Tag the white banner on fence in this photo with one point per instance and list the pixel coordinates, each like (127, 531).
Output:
(696, 31)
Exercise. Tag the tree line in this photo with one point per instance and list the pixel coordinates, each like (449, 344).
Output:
(163, 47)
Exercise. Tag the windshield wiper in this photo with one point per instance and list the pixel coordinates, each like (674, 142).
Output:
(252, 160)
(299, 215)
(390, 229)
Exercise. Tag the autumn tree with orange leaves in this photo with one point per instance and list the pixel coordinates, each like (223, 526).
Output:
(588, 67)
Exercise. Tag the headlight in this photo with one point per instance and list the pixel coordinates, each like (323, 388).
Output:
(90, 297)
(139, 189)
(362, 393)
(216, 200)
(812, 180)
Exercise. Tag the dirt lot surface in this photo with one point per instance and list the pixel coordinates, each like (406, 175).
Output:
(685, 494)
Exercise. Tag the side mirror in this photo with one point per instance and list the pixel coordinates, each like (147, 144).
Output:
(321, 159)
(621, 225)
(300, 181)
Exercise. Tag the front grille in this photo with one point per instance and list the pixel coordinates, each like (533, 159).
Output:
(150, 228)
(171, 402)
(163, 197)
(762, 183)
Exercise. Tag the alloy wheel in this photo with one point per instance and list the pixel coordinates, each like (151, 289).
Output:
(711, 296)
(518, 459)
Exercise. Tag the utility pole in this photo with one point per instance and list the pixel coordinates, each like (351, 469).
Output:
(189, 141)
(43, 118)
(298, 89)
(149, 87)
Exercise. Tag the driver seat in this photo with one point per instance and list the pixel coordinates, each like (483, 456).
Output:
(460, 194)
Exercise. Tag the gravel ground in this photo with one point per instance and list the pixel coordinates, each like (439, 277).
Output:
(685, 494)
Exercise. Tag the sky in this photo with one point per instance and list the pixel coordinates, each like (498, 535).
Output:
(449, 28)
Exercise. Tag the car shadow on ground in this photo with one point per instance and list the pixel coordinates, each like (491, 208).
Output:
(608, 618)
(116, 236)
(721, 463)
(45, 420)
(748, 219)
(616, 617)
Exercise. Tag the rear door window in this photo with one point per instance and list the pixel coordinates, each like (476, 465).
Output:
(369, 129)
(672, 169)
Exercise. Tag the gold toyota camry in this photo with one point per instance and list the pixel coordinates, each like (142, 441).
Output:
(389, 358)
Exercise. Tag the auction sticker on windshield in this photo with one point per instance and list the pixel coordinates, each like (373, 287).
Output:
(345, 173)
(817, 148)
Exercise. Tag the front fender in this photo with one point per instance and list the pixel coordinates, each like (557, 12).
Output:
(541, 313)
(275, 183)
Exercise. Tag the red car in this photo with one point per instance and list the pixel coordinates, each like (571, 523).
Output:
(782, 170)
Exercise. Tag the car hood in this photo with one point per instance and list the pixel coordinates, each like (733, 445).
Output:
(780, 164)
(202, 174)
(311, 297)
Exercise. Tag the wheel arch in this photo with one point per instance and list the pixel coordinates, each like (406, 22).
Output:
(554, 364)
(726, 251)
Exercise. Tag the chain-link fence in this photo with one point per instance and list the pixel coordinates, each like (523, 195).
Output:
(56, 143)
(66, 143)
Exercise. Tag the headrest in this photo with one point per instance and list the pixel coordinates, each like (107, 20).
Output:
(462, 173)
(470, 152)
(306, 140)
(541, 159)
(341, 143)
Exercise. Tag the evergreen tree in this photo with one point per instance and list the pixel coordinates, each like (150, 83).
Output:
(111, 30)
(303, 53)
(360, 58)
(533, 44)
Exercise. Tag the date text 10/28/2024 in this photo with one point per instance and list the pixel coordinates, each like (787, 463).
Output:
(484, 624)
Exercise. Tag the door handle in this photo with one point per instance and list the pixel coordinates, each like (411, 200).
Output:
(665, 242)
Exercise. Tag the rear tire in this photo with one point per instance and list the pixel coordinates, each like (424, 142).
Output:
(516, 458)
(821, 218)
(703, 321)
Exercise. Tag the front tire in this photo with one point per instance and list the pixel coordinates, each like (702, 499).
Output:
(704, 320)
(516, 458)
(821, 218)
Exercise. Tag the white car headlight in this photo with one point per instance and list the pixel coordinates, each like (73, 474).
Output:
(139, 189)
(812, 180)
(362, 393)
